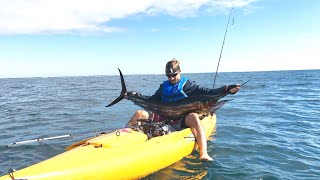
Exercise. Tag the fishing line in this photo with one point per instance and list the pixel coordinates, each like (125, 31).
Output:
(225, 34)
(245, 82)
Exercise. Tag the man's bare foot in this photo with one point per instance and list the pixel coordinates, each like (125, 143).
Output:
(206, 157)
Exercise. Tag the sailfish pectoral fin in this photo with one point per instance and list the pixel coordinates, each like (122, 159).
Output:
(123, 91)
(219, 105)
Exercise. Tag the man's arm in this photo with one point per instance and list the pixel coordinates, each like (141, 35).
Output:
(191, 89)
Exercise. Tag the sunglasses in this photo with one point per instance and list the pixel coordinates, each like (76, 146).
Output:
(172, 75)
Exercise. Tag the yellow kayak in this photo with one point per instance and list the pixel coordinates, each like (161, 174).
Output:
(124, 154)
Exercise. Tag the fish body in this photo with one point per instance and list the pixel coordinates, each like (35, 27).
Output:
(201, 104)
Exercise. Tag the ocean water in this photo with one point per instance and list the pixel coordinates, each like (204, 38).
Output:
(270, 130)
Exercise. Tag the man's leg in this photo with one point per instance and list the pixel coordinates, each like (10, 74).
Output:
(140, 114)
(193, 122)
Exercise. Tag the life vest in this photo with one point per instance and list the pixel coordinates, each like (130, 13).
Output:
(175, 92)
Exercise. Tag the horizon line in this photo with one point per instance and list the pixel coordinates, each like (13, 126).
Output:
(134, 74)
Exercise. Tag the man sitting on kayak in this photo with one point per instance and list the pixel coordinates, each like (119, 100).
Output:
(177, 88)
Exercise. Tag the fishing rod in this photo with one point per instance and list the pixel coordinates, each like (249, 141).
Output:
(40, 140)
(225, 34)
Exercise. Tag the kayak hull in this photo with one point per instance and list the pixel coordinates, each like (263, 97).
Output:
(125, 154)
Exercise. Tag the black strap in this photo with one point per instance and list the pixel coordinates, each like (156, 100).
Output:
(10, 172)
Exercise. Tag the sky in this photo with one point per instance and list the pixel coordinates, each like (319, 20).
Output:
(45, 38)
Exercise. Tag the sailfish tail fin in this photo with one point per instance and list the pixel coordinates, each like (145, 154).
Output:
(123, 91)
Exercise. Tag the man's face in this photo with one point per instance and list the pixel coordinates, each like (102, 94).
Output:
(174, 78)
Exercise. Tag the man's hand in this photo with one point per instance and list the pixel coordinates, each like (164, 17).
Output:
(232, 89)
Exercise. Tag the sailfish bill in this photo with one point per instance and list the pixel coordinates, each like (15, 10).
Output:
(202, 104)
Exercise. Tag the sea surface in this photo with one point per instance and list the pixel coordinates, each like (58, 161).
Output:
(270, 130)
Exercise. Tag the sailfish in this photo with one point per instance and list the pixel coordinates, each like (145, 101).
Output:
(201, 104)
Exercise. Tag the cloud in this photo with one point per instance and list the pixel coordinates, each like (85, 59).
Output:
(82, 16)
